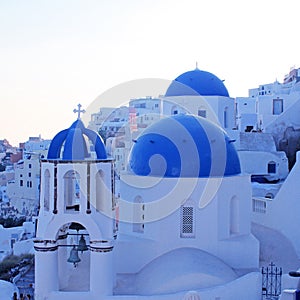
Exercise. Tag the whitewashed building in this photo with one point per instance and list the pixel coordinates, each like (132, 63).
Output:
(23, 191)
(167, 234)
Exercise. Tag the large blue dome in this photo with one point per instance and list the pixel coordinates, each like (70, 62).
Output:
(184, 146)
(70, 144)
(197, 82)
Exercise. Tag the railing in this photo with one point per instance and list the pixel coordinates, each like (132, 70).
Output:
(259, 204)
(271, 282)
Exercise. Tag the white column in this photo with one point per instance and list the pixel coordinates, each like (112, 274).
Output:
(101, 276)
(46, 271)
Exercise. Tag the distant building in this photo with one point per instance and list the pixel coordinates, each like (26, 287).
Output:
(23, 192)
(17, 240)
(265, 103)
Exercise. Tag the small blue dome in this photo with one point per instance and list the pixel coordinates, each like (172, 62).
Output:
(197, 82)
(184, 146)
(73, 143)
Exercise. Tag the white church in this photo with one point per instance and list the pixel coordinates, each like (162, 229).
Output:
(180, 223)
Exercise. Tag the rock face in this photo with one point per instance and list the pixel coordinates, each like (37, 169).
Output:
(290, 144)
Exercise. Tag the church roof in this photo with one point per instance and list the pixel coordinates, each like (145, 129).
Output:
(71, 143)
(197, 82)
(184, 146)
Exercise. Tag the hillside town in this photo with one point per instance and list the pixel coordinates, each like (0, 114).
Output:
(262, 135)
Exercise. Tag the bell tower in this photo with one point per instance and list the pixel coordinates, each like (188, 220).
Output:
(76, 223)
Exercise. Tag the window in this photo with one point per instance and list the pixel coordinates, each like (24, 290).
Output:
(47, 190)
(271, 167)
(277, 106)
(248, 128)
(187, 221)
(259, 206)
(234, 216)
(21, 182)
(138, 215)
(202, 113)
(29, 166)
(29, 174)
(226, 117)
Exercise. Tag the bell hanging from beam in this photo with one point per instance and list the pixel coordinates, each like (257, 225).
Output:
(74, 258)
(82, 244)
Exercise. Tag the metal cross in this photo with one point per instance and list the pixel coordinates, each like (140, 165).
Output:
(79, 111)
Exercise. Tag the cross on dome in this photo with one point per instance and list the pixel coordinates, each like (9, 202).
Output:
(79, 111)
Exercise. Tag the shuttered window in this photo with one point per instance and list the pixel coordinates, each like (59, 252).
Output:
(187, 229)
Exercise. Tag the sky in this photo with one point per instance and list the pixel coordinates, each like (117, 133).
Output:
(55, 54)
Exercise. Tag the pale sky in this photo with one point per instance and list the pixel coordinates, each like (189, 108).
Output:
(55, 54)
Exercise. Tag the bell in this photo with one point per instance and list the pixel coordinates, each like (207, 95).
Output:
(82, 244)
(74, 258)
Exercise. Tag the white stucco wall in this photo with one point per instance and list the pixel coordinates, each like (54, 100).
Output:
(282, 213)
(162, 199)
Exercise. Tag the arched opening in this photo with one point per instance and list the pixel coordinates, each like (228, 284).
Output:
(100, 191)
(226, 117)
(138, 215)
(46, 190)
(269, 196)
(234, 216)
(73, 258)
(72, 191)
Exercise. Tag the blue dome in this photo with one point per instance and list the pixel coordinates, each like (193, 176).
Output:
(184, 146)
(197, 82)
(73, 143)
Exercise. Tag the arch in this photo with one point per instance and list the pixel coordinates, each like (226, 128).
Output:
(234, 226)
(72, 191)
(73, 275)
(269, 195)
(53, 228)
(46, 190)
